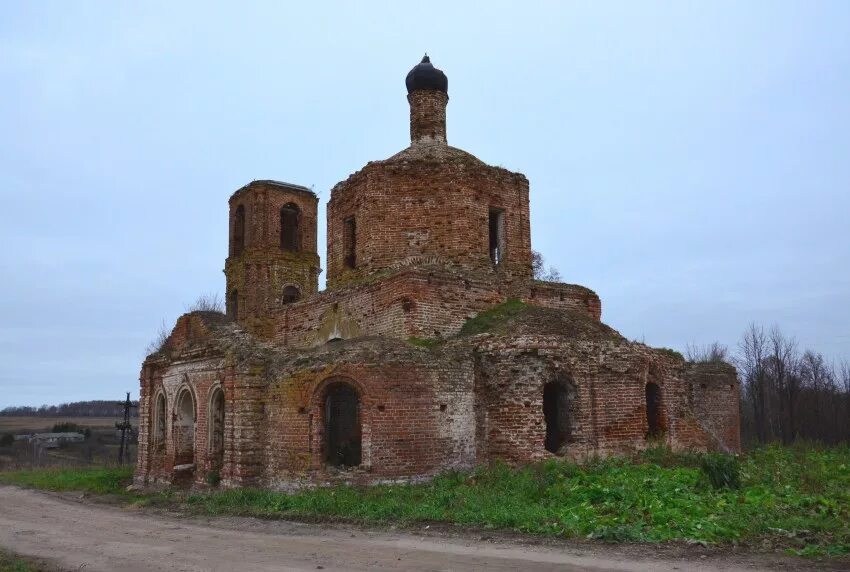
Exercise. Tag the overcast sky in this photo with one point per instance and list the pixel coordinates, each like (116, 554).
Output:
(689, 161)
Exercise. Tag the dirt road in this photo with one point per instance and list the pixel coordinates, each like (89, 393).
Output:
(76, 535)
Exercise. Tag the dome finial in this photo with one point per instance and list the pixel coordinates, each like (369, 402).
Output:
(424, 76)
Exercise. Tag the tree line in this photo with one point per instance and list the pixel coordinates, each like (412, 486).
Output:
(787, 393)
(93, 408)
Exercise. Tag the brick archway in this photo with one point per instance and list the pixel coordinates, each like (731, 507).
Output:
(340, 407)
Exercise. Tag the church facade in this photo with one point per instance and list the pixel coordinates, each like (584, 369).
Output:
(432, 348)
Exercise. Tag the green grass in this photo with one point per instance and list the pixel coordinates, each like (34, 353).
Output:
(11, 563)
(103, 480)
(796, 498)
(423, 342)
(489, 319)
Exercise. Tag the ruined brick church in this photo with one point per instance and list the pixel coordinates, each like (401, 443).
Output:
(432, 348)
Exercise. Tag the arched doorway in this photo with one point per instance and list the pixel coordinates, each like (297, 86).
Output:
(216, 428)
(342, 426)
(558, 402)
(184, 429)
(653, 410)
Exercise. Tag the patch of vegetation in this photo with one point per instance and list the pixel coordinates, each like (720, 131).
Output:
(486, 321)
(102, 480)
(671, 353)
(796, 498)
(11, 563)
(213, 477)
(423, 342)
(68, 427)
(7, 440)
(723, 471)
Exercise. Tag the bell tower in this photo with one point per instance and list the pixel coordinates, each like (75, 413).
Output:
(272, 259)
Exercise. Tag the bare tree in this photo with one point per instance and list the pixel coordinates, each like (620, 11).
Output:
(783, 366)
(844, 373)
(817, 379)
(787, 394)
(539, 270)
(714, 352)
(751, 364)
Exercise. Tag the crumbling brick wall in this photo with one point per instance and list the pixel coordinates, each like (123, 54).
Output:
(259, 271)
(715, 397)
(421, 301)
(416, 205)
(467, 400)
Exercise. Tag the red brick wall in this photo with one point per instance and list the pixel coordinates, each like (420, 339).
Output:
(716, 394)
(414, 206)
(610, 380)
(421, 301)
(426, 410)
(428, 116)
(263, 270)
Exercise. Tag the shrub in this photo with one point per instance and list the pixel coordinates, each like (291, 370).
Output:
(6, 440)
(671, 353)
(66, 427)
(213, 477)
(723, 471)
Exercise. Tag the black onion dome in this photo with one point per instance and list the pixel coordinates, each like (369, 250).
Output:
(424, 76)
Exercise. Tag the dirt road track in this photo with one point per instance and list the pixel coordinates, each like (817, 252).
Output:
(80, 536)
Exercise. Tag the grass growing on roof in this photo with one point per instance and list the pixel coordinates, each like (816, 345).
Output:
(489, 319)
(423, 342)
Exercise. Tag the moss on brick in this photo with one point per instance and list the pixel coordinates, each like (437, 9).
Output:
(486, 321)
(423, 342)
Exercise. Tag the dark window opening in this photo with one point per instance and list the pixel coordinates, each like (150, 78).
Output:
(291, 294)
(653, 409)
(342, 427)
(496, 233)
(184, 429)
(289, 221)
(159, 434)
(238, 244)
(216, 417)
(349, 238)
(233, 304)
(558, 398)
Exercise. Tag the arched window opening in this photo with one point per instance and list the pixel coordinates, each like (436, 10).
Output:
(233, 304)
(558, 400)
(349, 243)
(184, 429)
(653, 410)
(496, 234)
(238, 243)
(290, 217)
(291, 294)
(216, 422)
(342, 426)
(159, 422)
